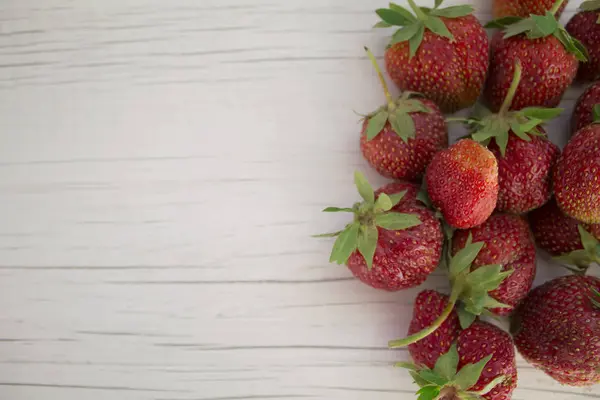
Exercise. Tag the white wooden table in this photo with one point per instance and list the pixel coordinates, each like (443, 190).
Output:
(162, 167)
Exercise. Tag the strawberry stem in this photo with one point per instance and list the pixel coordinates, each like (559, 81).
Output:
(512, 91)
(427, 331)
(556, 6)
(388, 96)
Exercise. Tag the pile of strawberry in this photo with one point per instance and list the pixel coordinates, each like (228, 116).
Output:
(477, 208)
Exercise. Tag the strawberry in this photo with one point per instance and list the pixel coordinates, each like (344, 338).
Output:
(583, 114)
(524, 153)
(429, 305)
(524, 8)
(400, 139)
(462, 182)
(394, 242)
(565, 238)
(557, 329)
(549, 56)
(577, 174)
(480, 365)
(439, 52)
(585, 27)
(470, 297)
(508, 243)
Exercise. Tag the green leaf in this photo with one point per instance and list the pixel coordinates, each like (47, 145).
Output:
(403, 11)
(367, 243)
(423, 197)
(396, 198)
(517, 129)
(406, 33)
(518, 28)
(382, 24)
(393, 17)
(447, 364)
(453, 11)
(376, 124)
(484, 274)
(581, 52)
(588, 240)
(580, 258)
(437, 26)
(480, 111)
(490, 386)
(595, 297)
(503, 22)
(542, 113)
(383, 203)
(502, 142)
(591, 5)
(413, 106)
(468, 375)
(571, 44)
(428, 393)
(432, 377)
(407, 365)
(418, 380)
(596, 113)
(397, 221)
(364, 188)
(465, 318)
(490, 302)
(403, 124)
(336, 209)
(438, 3)
(529, 125)
(464, 258)
(345, 244)
(415, 41)
(546, 25)
(327, 235)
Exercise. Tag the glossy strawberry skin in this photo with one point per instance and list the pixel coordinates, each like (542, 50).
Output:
(403, 259)
(479, 341)
(556, 232)
(508, 242)
(452, 74)
(428, 306)
(577, 176)
(462, 182)
(524, 8)
(548, 71)
(524, 173)
(584, 27)
(396, 159)
(583, 114)
(557, 329)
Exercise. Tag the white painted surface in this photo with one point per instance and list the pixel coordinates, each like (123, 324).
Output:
(162, 165)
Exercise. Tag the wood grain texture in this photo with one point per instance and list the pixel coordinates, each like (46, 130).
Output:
(163, 164)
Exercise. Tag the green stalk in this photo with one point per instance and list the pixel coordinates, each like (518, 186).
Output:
(556, 6)
(512, 91)
(388, 96)
(427, 331)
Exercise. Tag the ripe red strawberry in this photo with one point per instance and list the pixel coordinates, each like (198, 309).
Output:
(565, 238)
(508, 243)
(394, 242)
(549, 56)
(585, 26)
(557, 329)
(441, 53)
(462, 182)
(434, 319)
(480, 365)
(400, 138)
(577, 175)
(583, 114)
(429, 305)
(524, 8)
(525, 155)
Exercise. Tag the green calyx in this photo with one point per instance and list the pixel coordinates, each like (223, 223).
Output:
(540, 26)
(445, 381)
(523, 123)
(470, 291)
(412, 26)
(596, 114)
(580, 260)
(372, 213)
(396, 112)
